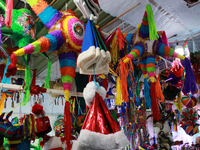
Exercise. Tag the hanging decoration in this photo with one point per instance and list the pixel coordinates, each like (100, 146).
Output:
(66, 34)
(190, 82)
(94, 53)
(124, 70)
(108, 133)
(159, 91)
(189, 116)
(189, 100)
(117, 41)
(42, 121)
(147, 44)
(191, 129)
(176, 74)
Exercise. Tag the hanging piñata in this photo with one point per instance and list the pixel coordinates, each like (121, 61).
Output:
(146, 45)
(66, 33)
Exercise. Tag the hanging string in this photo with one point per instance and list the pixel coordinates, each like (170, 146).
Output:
(98, 87)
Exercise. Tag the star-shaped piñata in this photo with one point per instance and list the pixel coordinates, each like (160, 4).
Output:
(146, 45)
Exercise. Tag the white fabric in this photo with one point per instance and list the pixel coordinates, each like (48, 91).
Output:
(97, 141)
(53, 142)
(81, 4)
(94, 58)
(90, 90)
(86, 57)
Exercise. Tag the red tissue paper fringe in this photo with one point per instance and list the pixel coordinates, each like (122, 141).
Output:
(67, 121)
(154, 103)
(8, 14)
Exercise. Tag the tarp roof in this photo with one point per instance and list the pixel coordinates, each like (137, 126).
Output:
(174, 17)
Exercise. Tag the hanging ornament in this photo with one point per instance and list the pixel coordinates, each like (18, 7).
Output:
(189, 116)
(146, 46)
(189, 101)
(191, 129)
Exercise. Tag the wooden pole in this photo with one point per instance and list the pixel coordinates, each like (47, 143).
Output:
(120, 16)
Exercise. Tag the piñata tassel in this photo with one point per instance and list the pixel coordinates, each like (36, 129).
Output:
(153, 35)
(125, 69)
(8, 14)
(114, 51)
(190, 82)
(67, 119)
(147, 93)
(27, 80)
(123, 73)
(110, 38)
(154, 103)
(120, 39)
(46, 83)
(164, 39)
(118, 100)
(159, 90)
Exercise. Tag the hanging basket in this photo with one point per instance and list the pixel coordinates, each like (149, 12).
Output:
(57, 86)
(51, 84)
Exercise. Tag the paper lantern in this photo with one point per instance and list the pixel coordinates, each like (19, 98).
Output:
(191, 129)
(189, 101)
(189, 116)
